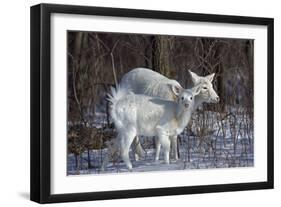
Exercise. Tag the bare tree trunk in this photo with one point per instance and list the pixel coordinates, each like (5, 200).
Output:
(107, 114)
(249, 50)
(148, 52)
(161, 56)
(220, 86)
(78, 47)
(89, 158)
(76, 67)
(77, 161)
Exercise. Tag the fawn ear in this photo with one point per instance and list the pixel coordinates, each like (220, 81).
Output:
(176, 89)
(210, 77)
(195, 78)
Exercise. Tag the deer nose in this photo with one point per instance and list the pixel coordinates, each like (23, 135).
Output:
(217, 99)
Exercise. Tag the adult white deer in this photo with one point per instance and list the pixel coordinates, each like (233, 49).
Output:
(137, 114)
(151, 83)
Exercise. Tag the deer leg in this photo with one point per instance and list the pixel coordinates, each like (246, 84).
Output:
(126, 140)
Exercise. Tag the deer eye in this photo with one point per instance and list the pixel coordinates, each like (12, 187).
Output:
(190, 98)
(182, 98)
(205, 88)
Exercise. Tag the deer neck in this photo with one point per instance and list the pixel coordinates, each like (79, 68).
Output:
(183, 117)
(198, 100)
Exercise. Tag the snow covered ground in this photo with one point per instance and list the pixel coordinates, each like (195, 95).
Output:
(215, 140)
(193, 155)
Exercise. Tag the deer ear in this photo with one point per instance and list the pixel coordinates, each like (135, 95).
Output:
(196, 90)
(194, 76)
(210, 77)
(176, 89)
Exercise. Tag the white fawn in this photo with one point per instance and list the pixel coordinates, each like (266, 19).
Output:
(136, 115)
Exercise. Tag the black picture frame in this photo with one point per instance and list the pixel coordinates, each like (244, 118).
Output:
(41, 98)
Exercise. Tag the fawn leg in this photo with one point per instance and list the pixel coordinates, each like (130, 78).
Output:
(157, 148)
(174, 147)
(165, 142)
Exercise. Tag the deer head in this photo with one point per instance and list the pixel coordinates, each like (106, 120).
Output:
(207, 92)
